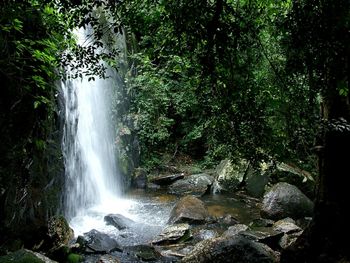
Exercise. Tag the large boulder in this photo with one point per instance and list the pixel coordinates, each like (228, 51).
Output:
(290, 173)
(139, 178)
(235, 230)
(285, 200)
(97, 242)
(25, 256)
(167, 179)
(230, 249)
(59, 231)
(119, 221)
(256, 182)
(173, 234)
(196, 184)
(229, 175)
(188, 209)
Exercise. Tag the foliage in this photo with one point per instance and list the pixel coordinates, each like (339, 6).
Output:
(211, 81)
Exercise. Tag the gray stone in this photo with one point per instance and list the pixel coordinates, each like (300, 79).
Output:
(196, 184)
(167, 179)
(59, 231)
(173, 234)
(230, 249)
(234, 230)
(256, 182)
(97, 242)
(286, 225)
(285, 200)
(289, 239)
(25, 255)
(261, 222)
(188, 209)
(119, 221)
(267, 236)
(229, 175)
(204, 234)
(139, 179)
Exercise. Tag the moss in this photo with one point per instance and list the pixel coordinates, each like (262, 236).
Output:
(74, 258)
(21, 256)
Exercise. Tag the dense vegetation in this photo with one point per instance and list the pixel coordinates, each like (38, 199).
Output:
(212, 79)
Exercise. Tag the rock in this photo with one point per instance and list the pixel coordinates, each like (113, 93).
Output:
(188, 209)
(286, 225)
(167, 179)
(267, 236)
(261, 222)
(229, 176)
(107, 259)
(204, 234)
(196, 184)
(256, 182)
(145, 252)
(289, 239)
(119, 221)
(234, 230)
(24, 256)
(173, 234)
(97, 242)
(228, 250)
(59, 231)
(293, 175)
(229, 220)
(139, 179)
(285, 200)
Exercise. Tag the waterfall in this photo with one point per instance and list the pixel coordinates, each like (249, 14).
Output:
(92, 177)
(90, 149)
(91, 172)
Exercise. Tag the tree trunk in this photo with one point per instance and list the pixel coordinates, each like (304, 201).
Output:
(327, 237)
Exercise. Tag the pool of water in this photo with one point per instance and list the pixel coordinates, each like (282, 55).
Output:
(150, 211)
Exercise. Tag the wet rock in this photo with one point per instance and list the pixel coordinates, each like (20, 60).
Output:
(228, 220)
(286, 225)
(107, 259)
(97, 242)
(173, 234)
(285, 200)
(119, 221)
(234, 230)
(261, 222)
(294, 175)
(196, 184)
(59, 231)
(289, 239)
(174, 253)
(167, 179)
(303, 222)
(204, 234)
(230, 249)
(256, 182)
(229, 175)
(188, 209)
(145, 253)
(266, 236)
(25, 255)
(139, 179)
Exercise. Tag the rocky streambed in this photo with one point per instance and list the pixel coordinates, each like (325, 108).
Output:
(179, 218)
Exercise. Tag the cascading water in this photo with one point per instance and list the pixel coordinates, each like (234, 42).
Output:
(92, 178)
(90, 154)
(93, 187)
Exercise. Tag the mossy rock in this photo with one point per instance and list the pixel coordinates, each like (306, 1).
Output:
(74, 258)
(25, 256)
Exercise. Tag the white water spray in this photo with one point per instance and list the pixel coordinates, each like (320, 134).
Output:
(92, 177)
(93, 183)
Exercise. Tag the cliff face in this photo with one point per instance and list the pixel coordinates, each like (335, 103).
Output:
(31, 166)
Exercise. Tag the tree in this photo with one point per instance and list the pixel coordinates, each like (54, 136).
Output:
(320, 46)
